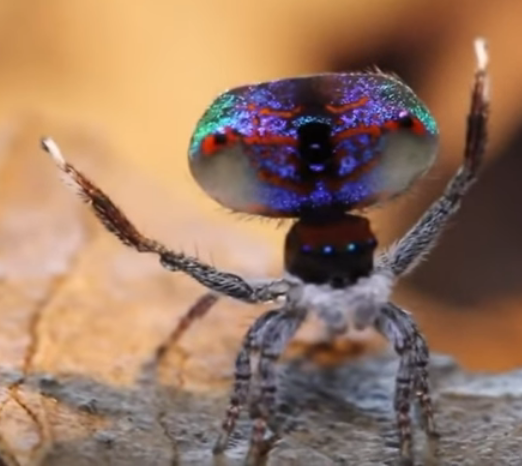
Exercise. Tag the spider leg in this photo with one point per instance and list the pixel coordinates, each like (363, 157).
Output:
(242, 377)
(400, 329)
(406, 254)
(117, 223)
(197, 311)
(275, 339)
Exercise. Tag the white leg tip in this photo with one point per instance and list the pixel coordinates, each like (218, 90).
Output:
(53, 150)
(481, 52)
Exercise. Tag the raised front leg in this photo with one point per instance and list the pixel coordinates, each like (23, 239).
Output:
(400, 329)
(117, 223)
(422, 237)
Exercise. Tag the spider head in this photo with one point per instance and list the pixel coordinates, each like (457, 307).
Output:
(336, 252)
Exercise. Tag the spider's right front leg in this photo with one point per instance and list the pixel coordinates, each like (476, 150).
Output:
(116, 222)
(404, 256)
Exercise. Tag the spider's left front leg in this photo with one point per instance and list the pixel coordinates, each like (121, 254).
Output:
(116, 222)
(399, 328)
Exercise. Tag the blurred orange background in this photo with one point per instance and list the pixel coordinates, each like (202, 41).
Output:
(139, 74)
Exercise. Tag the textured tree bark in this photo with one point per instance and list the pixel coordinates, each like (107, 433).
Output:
(82, 317)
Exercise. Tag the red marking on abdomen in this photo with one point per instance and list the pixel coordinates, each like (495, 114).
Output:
(417, 126)
(350, 106)
(270, 140)
(336, 184)
(212, 144)
(269, 111)
(208, 145)
(280, 113)
(266, 176)
(374, 131)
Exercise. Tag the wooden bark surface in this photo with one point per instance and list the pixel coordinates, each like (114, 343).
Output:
(82, 317)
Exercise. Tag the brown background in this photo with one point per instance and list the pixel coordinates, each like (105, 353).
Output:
(124, 83)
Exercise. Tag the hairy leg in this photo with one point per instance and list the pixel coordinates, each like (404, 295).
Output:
(400, 329)
(243, 375)
(276, 336)
(117, 223)
(405, 255)
(421, 356)
(197, 311)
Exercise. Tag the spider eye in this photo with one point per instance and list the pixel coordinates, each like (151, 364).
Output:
(327, 249)
(352, 247)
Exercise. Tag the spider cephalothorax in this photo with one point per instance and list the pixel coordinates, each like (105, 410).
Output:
(314, 149)
(337, 252)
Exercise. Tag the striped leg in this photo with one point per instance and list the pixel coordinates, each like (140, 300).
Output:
(408, 252)
(276, 336)
(197, 311)
(242, 377)
(399, 328)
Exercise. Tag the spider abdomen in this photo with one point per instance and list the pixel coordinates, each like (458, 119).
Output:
(338, 141)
